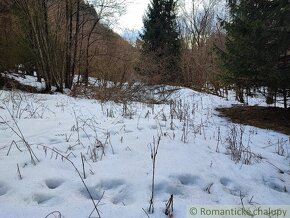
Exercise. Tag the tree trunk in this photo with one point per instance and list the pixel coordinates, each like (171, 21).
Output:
(77, 28)
(285, 98)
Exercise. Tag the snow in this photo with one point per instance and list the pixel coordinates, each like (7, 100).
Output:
(187, 162)
(26, 80)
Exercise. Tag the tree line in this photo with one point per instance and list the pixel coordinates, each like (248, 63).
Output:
(205, 45)
(257, 52)
(246, 45)
(61, 40)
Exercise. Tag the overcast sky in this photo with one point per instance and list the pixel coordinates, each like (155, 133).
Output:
(133, 18)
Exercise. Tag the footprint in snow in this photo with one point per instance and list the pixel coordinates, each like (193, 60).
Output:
(225, 181)
(3, 189)
(110, 184)
(277, 185)
(93, 193)
(54, 141)
(53, 183)
(42, 198)
(117, 191)
(179, 184)
(188, 179)
(231, 187)
(168, 188)
(128, 131)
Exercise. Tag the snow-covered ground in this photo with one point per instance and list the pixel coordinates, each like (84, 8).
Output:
(26, 80)
(115, 141)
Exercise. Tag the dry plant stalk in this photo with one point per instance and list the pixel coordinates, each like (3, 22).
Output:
(19, 174)
(154, 151)
(79, 174)
(169, 207)
(54, 214)
(19, 133)
(83, 164)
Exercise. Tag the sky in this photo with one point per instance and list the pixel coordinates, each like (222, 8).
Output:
(133, 19)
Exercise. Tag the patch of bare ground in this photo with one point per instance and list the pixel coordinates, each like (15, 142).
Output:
(277, 119)
(11, 84)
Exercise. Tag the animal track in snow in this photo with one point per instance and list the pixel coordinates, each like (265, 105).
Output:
(277, 187)
(179, 184)
(229, 185)
(55, 141)
(117, 191)
(95, 194)
(276, 184)
(225, 181)
(3, 189)
(128, 131)
(53, 183)
(187, 179)
(110, 184)
(42, 198)
(166, 187)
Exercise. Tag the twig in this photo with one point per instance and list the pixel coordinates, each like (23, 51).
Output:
(154, 151)
(18, 132)
(53, 213)
(146, 212)
(169, 206)
(13, 142)
(97, 203)
(79, 174)
(19, 174)
(208, 188)
(83, 164)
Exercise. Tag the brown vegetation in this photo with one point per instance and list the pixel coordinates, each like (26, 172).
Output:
(62, 39)
(201, 32)
(263, 117)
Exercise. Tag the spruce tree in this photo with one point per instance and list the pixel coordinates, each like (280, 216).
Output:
(258, 43)
(161, 42)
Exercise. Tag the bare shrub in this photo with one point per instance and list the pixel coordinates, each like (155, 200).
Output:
(201, 32)
(14, 127)
(236, 148)
(23, 106)
(120, 93)
(281, 147)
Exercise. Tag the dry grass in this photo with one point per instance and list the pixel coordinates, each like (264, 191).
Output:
(277, 119)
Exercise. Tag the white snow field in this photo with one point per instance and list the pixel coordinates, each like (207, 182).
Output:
(201, 158)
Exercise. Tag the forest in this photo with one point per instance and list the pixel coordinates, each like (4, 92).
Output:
(215, 46)
(190, 114)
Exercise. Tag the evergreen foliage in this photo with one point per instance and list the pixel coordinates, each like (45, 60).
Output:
(258, 44)
(161, 41)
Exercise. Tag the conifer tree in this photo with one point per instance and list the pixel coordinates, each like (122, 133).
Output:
(258, 44)
(161, 42)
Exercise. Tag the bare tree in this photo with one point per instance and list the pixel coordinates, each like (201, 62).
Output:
(62, 34)
(41, 19)
(200, 31)
(106, 13)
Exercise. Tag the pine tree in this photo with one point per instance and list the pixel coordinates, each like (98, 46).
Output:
(161, 42)
(258, 43)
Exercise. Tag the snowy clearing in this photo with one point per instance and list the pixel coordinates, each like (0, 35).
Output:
(202, 158)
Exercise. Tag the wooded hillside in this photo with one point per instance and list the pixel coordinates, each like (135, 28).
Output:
(59, 40)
